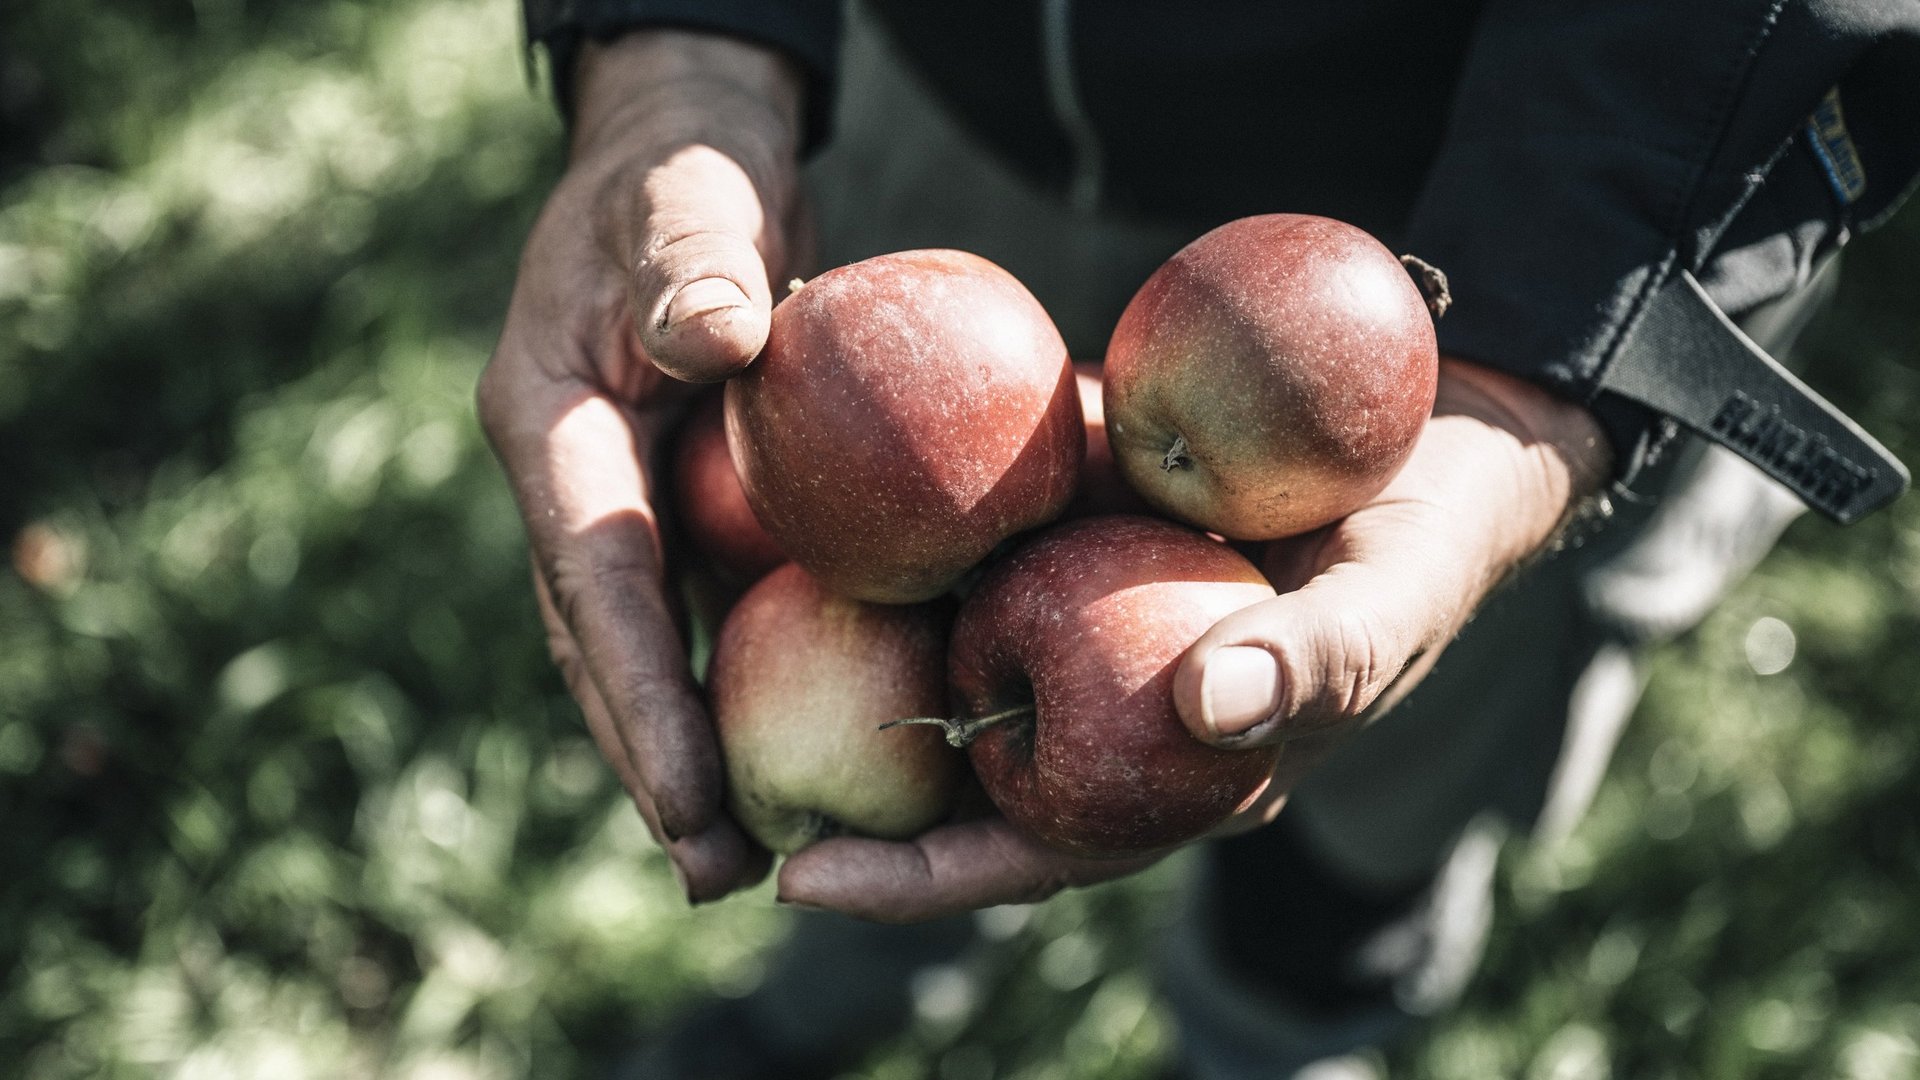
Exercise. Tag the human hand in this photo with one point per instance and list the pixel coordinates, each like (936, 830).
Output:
(653, 254)
(980, 862)
(1366, 606)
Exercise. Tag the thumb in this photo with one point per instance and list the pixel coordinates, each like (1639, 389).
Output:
(702, 305)
(686, 144)
(1317, 657)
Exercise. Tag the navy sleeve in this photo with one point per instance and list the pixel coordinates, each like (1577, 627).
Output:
(808, 31)
(1597, 149)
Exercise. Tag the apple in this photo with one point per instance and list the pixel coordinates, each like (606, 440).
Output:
(908, 414)
(1102, 489)
(713, 507)
(1271, 377)
(800, 681)
(1062, 668)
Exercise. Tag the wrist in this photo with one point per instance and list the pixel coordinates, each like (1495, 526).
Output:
(689, 85)
(1541, 456)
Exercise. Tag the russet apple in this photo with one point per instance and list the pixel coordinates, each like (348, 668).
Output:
(713, 508)
(909, 413)
(1062, 666)
(800, 681)
(1271, 377)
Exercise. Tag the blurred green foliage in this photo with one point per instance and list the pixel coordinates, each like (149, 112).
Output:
(290, 789)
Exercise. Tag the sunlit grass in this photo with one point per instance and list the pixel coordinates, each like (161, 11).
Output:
(291, 789)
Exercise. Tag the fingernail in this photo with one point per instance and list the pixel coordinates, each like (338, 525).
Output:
(1240, 688)
(796, 905)
(707, 295)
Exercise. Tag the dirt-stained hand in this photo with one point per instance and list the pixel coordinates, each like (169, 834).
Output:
(1366, 605)
(653, 256)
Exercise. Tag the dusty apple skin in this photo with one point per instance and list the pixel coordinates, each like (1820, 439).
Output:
(1088, 623)
(800, 683)
(1294, 357)
(713, 507)
(909, 413)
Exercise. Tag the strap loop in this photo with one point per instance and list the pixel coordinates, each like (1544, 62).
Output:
(1687, 360)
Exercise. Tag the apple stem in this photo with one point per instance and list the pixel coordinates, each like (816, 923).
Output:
(962, 731)
(823, 827)
(1433, 284)
(1176, 456)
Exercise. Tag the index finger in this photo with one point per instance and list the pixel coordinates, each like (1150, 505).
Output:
(709, 864)
(949, 870)
(575, 460)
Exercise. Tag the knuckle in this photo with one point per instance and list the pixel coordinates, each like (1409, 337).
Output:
(568, 582)
(1355, 667)
(671, 259)
(649, 693)
(624, 569)
(628, 583)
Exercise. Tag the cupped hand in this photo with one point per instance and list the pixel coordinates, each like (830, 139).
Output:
(1366, 606)
(653, 255)
(979, 863)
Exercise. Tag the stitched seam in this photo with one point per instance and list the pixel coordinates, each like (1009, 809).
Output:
(1736, 90)
(1734, 93)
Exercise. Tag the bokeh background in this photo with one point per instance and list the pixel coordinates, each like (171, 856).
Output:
(289, 789)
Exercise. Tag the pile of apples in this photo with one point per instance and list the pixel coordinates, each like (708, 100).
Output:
(952, 529)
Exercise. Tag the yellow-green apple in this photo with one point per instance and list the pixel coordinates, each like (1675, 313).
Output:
(713, 508)
(801, 679)
(909, 413)
(1271, 377)
(1062, 666)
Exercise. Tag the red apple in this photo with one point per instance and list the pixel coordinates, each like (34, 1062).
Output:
(713, 508)
(1074, 640)
(1102, 489)
(909, 413)
(1271, 377)
(801, 679)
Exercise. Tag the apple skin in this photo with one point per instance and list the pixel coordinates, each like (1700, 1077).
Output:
(800, 682)
(1087, 623)
(1292, 357)
(713, 507)
(1102, 489)
(909, 413)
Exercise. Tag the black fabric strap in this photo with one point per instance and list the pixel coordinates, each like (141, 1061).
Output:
(1687, 360)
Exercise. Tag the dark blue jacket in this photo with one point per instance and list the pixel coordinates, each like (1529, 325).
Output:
(1562, 160)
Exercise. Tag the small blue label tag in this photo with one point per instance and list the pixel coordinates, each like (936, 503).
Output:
(1827, 132)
